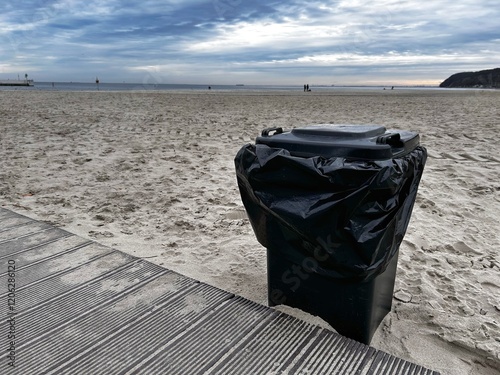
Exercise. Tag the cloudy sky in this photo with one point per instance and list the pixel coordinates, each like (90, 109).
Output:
(251, 42)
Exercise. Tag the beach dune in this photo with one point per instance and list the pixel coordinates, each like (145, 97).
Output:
(152, 174)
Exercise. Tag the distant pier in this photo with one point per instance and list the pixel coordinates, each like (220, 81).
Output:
(13, 82)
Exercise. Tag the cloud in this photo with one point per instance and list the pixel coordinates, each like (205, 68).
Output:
(266, 42)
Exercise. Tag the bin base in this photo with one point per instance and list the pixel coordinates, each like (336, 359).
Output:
(354, 310)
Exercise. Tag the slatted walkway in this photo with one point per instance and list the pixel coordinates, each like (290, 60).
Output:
(82, 308)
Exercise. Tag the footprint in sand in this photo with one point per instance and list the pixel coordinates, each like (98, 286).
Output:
(236, 215)
(425, 203)
(462, 248)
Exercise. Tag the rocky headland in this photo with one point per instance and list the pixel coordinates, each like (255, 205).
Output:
(482, 79)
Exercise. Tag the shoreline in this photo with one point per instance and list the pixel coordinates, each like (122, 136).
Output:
(163, 87)
(153, 175)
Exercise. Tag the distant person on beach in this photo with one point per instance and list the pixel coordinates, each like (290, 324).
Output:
(305, 88)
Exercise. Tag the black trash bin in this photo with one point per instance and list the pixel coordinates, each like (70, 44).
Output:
(331, 203)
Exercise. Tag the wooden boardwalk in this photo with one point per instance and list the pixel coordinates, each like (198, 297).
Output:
(79, 307)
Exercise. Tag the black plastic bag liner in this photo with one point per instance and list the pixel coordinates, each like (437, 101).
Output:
(346, 215)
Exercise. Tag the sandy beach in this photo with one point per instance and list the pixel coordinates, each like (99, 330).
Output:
(152, 174)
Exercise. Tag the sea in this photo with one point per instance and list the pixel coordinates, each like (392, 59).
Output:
(82, 86)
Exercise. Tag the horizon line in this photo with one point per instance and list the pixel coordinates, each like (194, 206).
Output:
(238, 84)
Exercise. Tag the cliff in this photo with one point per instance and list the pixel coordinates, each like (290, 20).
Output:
(483, 78)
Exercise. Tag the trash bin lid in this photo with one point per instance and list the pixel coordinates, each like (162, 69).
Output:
(366, 142)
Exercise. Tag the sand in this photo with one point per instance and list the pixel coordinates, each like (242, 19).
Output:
(152, 174)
